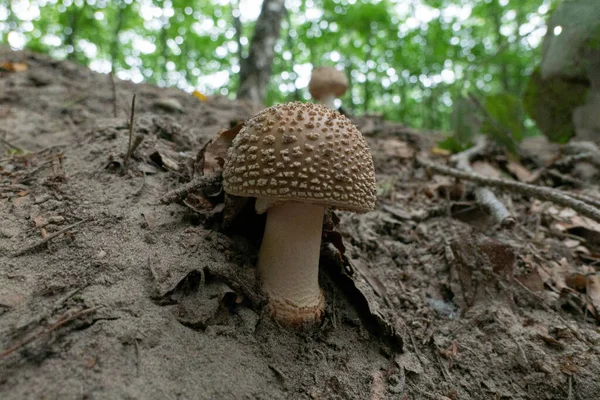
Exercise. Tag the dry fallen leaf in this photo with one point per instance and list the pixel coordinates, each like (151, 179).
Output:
(199, 96)
(13, 66)
(214, 153)
(398, 148)
(39, 221)
(522, 173)
(486, 169)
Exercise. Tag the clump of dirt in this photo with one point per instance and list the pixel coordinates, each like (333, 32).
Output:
(106, 292)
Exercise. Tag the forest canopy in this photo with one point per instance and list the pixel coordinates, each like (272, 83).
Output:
(414, 61)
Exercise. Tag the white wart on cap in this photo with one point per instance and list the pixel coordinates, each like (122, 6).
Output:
(303, 158)
(327, 83)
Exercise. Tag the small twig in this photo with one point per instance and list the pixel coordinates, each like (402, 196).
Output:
(114, 94)
(570, 394)
(484, 196)
(136, 143)
(196, 184)
(49, 238)
(445, 372)
(137, 356)
(539, 192)
(423, 392)
(129, 147)
(63, 320)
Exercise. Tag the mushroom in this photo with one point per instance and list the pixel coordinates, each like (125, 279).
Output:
(327, 83)
(298, 159)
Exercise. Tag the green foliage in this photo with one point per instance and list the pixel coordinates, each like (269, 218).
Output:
(406, 59)
(503, 121)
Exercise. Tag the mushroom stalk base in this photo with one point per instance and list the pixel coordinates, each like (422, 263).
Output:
(328, 101)
(288, 263)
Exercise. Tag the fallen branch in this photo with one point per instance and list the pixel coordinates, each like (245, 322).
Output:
(49, 238)
(484, 196)
(539, 192)
(181, 192)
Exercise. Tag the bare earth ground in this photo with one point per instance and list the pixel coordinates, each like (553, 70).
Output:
(142, 300)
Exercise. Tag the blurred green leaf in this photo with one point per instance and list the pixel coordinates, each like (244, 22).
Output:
(504, 120)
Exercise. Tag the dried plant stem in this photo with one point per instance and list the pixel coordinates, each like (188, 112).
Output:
(114, 94)
(131, 120)
(539, 192)
(195, 184)
(484, 196)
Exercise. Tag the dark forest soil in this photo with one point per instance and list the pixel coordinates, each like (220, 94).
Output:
(141, 300)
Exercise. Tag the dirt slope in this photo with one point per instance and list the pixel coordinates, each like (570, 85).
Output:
(144, 300)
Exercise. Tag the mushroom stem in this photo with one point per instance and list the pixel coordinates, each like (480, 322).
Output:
(288, 262)
(328, 101)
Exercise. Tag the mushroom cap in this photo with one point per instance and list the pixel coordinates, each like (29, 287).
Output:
(302, 152)
(326, 81)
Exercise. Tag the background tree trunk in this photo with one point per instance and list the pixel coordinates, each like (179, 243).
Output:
(255, 71)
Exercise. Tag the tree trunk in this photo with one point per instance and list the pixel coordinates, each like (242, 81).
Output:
(237, 25)
(367, 84)
(255, 71)
(497, 17)
(73, 20)
(291, 47)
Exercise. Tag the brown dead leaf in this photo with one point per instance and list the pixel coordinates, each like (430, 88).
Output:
(533, 280)
(554, 274)
(518, 170)
(476, 256)
(164, 161)
(577, 281)
(398, 148)
(550, 341)
(588, 284)
(486, 169)
(13, 66)
(593, 290)
(39, 221)
(214, 154)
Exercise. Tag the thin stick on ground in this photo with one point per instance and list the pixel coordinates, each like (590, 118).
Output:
(181, 192)
(114, 94)
(63, 320)
(538, 192)
(49, 238)
(131, 120)
(593, 201)
(484, 196)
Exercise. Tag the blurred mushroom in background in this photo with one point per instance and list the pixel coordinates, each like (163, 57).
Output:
(326, 84)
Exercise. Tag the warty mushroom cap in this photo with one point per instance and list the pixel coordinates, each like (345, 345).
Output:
(326, 81)
(302, 152)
